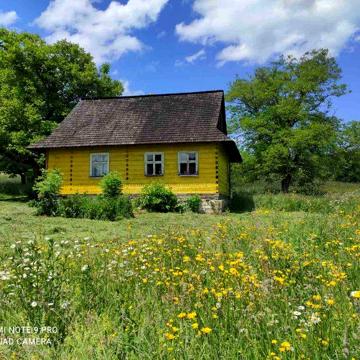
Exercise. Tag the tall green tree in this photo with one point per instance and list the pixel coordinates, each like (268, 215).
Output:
(39, 85)
(282, 114)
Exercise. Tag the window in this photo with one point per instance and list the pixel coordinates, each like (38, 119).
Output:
(154, 164)
(188, 163)
(99, 164)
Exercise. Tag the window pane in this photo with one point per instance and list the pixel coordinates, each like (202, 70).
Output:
(192, 156)
(158, 169)
(96, 170)
(149, 169)
(158, 157)
(192, 169)
(183, 168)
(183, 157)
(99, 164)
(149, 157)
(104, 168)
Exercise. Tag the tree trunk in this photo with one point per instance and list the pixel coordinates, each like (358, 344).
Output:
(285, 183)
(23, 179)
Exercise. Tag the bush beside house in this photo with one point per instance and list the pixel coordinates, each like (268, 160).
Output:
(110, 205)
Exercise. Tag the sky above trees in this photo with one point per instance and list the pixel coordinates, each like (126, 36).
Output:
(158, 46)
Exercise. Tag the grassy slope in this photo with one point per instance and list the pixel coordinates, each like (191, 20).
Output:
(289, 259)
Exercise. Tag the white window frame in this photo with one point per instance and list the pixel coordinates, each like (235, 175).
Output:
(196, 162)
(146, 162)
(91, 164)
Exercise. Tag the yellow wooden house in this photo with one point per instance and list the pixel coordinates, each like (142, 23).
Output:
(177, 139)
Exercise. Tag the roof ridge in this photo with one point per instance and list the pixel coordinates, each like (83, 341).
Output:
(150, 95)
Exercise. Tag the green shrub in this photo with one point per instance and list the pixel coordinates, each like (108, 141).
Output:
(157, 197)
(47, 189)
(193, 203)
(99, 207)
(111, 185)
(72, 206)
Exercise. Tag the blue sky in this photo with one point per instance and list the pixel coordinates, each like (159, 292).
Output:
(160, 46)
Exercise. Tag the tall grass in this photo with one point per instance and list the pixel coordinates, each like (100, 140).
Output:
(272, 284)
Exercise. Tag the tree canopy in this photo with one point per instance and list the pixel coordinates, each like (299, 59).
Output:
(39, 84)
(282, 115)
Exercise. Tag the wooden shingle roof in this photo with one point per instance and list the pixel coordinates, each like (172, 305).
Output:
(147, 119)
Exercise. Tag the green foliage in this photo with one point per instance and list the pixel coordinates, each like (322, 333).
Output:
(111, 185)
(95, 207)
(47, 189)
(13, 187)
(102, 208)
(241, 202)
(72, 206)
(39, 84)
(281, 114)
(157, 197)
(347, 155)
(193, 203)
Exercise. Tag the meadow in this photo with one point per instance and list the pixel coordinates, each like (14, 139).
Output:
(279, 282)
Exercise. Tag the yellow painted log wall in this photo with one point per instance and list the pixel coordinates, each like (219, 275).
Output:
(223, 171)
(75, 167)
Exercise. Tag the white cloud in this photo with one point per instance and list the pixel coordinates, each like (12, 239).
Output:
(255, 30)
(191, 59)
(200, 55)
(106, 34)
(161, 34)
(8, 18)
(128, 91)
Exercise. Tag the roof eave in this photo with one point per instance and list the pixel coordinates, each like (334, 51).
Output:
(232, 151)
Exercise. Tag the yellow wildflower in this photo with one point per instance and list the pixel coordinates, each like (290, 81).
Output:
(191, 315)
(182, 315)
(355, 294)
(195, 326)
(330, 301)
(285, 346)
(206, 330)
(324, 342)
(169, 336)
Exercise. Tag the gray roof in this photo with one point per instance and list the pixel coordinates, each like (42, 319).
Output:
(147, 119)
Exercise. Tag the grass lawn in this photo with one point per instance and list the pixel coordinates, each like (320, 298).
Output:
(273, 283)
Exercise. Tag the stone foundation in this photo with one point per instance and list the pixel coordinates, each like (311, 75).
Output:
(210, 204)
(217, 206)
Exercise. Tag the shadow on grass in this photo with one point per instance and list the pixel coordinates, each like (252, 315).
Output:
(242, 202)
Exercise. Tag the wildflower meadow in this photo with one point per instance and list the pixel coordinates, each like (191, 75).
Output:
(266, 284)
